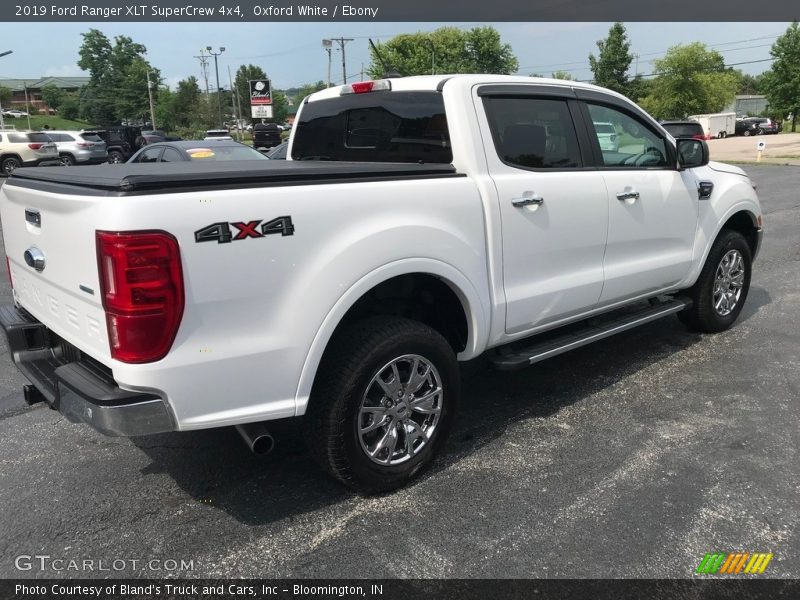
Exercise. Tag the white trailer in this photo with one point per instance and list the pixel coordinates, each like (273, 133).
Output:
(717, 125)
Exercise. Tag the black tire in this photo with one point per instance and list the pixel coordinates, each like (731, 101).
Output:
(115, 157)
(9, 164)
(722, 135)
(333, 420)
(66, 160)
(760, 131)
(703, 316)
(746, 133)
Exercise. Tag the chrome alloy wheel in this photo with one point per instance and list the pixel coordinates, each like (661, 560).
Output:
(728, 283)
(400, 410)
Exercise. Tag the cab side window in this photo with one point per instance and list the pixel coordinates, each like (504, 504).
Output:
(625, 141)
(533, 133)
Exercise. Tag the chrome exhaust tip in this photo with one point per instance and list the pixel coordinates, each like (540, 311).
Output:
(257, 437)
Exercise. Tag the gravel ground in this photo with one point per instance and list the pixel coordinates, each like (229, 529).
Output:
(629, 458)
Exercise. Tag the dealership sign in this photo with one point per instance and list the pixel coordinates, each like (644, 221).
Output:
(260, 92)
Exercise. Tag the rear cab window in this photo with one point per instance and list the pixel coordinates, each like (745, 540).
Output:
(385, 126)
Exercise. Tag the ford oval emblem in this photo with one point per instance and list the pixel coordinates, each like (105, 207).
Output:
(34, 258)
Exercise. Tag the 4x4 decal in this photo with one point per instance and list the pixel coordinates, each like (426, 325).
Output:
(222, 233)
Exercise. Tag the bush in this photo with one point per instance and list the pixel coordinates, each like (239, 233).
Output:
(70, 108)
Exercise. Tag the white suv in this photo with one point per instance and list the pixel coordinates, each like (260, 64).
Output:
(25, 149)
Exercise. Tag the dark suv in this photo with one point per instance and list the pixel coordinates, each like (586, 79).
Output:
(266, 135)
(756, 126)
(122, 141)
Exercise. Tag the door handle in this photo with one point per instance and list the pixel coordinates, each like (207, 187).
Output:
(529, 200)
(629, 195)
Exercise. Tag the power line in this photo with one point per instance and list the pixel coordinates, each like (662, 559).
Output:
(662, 52)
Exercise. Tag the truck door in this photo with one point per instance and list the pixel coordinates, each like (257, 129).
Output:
(553, 208)
(653, 207)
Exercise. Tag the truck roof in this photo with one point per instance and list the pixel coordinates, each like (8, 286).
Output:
(438, 82)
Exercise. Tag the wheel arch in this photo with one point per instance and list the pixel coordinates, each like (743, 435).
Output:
(438, 278)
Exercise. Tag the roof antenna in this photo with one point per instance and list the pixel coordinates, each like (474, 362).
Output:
(388, 72)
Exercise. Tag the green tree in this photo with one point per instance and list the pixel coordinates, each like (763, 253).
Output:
(53, 96)
(5, 94)
(611, 65)
(297, 94)
(241, 83)
(70, 107)
(117, 86)
(445, 50)
(781, 83)
(563, 75)
(690, 79)
(749, 84)
(186, 103)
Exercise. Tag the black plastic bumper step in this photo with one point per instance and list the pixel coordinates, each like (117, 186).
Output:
(519, 355)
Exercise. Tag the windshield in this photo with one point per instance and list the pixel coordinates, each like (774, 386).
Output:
(374, 127)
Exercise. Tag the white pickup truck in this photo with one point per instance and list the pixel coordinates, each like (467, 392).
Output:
(420, 222)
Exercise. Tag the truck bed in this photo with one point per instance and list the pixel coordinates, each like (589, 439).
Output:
(126, 179)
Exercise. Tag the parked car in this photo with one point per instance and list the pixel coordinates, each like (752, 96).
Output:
(25, 149)
(266, 135)
(122, 141)
(607, 137)
(202, 151)
(685, 130)
(344, 286)
(15, 114)
(218, 134)
(765, 126)
(278, 152)
(79, 147)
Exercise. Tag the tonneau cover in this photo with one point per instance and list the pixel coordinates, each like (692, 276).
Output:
(128, 178)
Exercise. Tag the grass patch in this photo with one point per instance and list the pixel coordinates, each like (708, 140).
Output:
(53, 122)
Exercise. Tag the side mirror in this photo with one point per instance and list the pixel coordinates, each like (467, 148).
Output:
(692, 153)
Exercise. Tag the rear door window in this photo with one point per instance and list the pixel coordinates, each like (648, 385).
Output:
(533, 133)
(149, 156)
(375, 127)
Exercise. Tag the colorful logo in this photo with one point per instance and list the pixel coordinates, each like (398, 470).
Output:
(734, 563)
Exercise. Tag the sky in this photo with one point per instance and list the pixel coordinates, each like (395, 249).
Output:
(292, 54)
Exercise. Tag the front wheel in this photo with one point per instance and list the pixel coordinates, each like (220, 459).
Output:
(66, 160)
(721, 289)
(382, 403)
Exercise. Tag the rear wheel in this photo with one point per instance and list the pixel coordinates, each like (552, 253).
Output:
(115, 157)
(746, 133)
(723, 135)
(382, 403)
(67, 160)
(721, 289)
(9, 165)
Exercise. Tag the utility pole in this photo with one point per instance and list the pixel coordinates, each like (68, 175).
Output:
(237, 117)
(327, 45)
(636, 56)
(27, 107)
(2, 122)
(150, 96)
(216, 69)
(204, 67)
(342, 41)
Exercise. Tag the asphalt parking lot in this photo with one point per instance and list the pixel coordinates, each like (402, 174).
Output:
(629, 458)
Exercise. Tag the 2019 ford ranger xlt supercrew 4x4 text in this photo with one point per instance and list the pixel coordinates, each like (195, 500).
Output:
(419, 222)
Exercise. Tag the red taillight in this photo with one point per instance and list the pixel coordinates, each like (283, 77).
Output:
(85, 144)
(35, 146)
(363, 87)
(142, 289)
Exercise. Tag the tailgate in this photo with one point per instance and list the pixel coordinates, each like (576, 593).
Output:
(59, 229)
